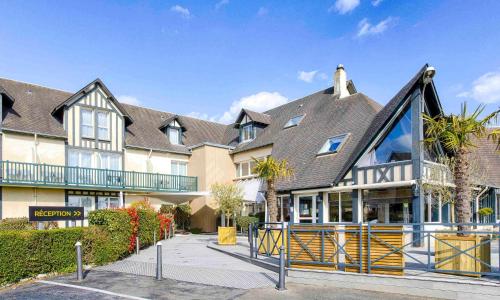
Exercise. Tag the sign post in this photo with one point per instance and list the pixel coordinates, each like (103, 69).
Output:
(55, 213)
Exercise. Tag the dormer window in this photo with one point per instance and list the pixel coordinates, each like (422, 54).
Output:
(174, 131)
(294, 121)
(333, 144)
(247, 132)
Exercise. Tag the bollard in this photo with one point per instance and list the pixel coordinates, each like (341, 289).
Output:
(250, 239)
(154, 237)
(281, 282)
(137, 245)
(164, 233)
(158, 261)
(79, 268)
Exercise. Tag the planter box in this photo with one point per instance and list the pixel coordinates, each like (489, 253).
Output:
(462, 262)
(272, 242)
(377, 250)
(310, 249)
(226, 235)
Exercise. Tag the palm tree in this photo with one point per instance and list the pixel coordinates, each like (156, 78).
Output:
(458, 134)
(271, 171)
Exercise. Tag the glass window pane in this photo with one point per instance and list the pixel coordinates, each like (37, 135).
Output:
(102, 202)
(174, 168)
(305, 207)
(332, 144)
(114, 202)
(86, 124)
(252, 166)
(396, 146)
(173, 135)
(244, 169)
(333, 207)
(346, 207)
(183, 169)
(86, 159)
(294, 121)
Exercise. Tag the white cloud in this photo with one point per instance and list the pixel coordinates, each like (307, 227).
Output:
(184, 12)
(344, 6)
(366, 28)
(376, 2)
(203, 116)
(129, 100)
(221, 3)
(310, 76)
(262, 11)
(485, 89)
(259, 102)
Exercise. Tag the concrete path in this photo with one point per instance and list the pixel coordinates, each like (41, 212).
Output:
(187, 258)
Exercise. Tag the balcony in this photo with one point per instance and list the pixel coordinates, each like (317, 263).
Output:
(29, 174)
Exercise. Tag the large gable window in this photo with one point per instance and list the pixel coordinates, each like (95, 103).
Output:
(396, 145)
(294, 121)
(87, 123)
(333, 144)
(103, 125)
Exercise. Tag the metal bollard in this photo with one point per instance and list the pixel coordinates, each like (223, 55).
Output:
(137, 247)
(164, 233)
(281, 282)
(79, 267)
(250, 239)
(158, 261)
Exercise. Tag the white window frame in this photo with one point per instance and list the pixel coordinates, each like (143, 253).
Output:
(108, 156)
(326, 146)
(107, 114)
(428, 213)
(178, 163)
(170, 131)
(107, 200)
(80, 153)
(251, 132)
(290, 121)
(88, 125)
(244, 164)
(80, 204)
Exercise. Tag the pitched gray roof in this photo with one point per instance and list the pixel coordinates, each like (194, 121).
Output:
(255, 116)
(325, 116)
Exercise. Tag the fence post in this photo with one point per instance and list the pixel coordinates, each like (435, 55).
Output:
(281, 282)
(158, 261)
(154, 237)
(137, 244)
(250, 239)
(79, 267)
(368, 249)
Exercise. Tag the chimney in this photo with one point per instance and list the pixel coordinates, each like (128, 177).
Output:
(340, 82)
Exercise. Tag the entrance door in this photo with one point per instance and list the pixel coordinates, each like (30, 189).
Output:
(307, 210)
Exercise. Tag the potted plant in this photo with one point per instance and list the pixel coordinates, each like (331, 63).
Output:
(459, 135)
(229, 198)
(484, 212)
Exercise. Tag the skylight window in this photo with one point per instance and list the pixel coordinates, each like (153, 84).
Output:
(333, 144)
(294, 121)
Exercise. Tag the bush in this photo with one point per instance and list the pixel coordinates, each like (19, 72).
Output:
(195, 230)
(16, 224)
(98, 246)
(27, 253)
(182, 216)
(244, 221)
(115, 222)
(148, 225)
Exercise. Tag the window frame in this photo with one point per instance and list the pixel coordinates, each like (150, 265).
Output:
(343, 137)
(252, 132)
(170, 129)
(428, 203)
(339, 200)
(289, 124)
(239, 169)
(178, 163)
(91, 125)
(108, 131)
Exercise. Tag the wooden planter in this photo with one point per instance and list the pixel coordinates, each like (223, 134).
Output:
(226, 235)
(377, 250)
(311, 249)
(271, 243)
(462, 262)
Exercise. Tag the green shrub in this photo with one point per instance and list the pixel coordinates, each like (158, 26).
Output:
(195, 230)
(244, 221)
(27, 253)
(16, 224)
(117, 223)
(182, 216)
(98, 246)
(148, 225)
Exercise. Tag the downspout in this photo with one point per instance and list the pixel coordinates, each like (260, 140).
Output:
(148, 161)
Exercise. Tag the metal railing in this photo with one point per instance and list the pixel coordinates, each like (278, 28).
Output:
(268, 238)
(21, 173)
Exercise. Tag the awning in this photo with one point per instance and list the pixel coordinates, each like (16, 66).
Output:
(173, 198)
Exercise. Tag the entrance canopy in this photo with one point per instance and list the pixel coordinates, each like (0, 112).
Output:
(174, 198)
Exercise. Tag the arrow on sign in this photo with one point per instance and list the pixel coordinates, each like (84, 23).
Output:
(77, 213)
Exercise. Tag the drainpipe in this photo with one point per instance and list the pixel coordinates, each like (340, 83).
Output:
(477, 203)
(35, 159)
(148, 161)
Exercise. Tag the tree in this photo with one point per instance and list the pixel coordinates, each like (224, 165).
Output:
(229, 198)
(272, 170)
(458, 134)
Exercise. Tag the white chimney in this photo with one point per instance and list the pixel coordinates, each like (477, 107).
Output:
(340, 82)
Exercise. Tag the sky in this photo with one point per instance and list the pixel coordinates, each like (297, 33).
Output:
(210, 58)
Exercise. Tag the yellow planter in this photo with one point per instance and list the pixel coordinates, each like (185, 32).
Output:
(462, 262)
(271, 243)
(226, 235)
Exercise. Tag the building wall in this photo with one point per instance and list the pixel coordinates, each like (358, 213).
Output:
(140, 160)
(257, 153)
(211, 165)
(25, 148)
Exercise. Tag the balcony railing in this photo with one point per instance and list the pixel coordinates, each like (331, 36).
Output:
(20, 173)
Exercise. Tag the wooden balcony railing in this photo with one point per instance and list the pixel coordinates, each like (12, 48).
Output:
(30, 174)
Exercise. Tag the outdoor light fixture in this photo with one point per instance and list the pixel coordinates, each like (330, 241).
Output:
(429, 74)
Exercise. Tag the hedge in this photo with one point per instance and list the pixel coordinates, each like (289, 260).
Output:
(27, 253)
(110, 236)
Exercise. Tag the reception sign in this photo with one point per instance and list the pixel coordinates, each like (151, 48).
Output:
(55, 213)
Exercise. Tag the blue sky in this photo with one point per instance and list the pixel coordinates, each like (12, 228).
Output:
(209, 58)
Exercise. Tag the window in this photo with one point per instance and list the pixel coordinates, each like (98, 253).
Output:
(308, 210)
(174, 135)
(392, 205)
(110, 161)
(283, 208)
(178, 168)
(340, 207)
(103, 125)
(247, 133)
(79, 201)
(87, 123)
(396, 145)
(333, 144)
(108, 202)
(244, 169)
(79, 158)
(294, 121)
(432, 208)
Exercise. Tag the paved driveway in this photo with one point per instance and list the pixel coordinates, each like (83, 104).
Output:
(187, 258)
